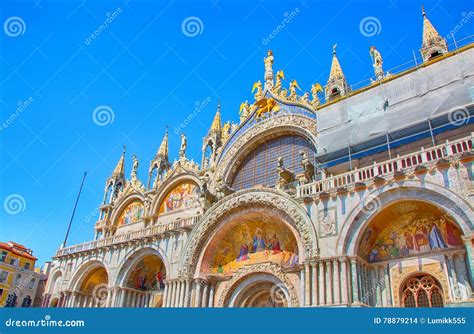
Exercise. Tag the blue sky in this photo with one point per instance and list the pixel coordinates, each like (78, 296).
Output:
(150, 73)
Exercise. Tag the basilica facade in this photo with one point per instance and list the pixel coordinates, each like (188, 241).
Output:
(342, 196)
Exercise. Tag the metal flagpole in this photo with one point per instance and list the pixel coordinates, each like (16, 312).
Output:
(74, 211)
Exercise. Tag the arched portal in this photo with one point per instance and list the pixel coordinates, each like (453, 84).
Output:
(144, 282)
(253, 236)
(93, 288)
(415, 251)
(261, 290)
(406, 229)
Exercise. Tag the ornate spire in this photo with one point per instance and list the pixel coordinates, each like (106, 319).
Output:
(163, 150)
(337, 85)
(216, 126)
(433, 44)
(119, 170)
(336, 70)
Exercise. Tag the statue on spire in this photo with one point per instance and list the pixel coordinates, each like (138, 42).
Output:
(268, 60)
(134, 167)
(184, 145)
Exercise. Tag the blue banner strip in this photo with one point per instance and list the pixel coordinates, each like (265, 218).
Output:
(303, 320)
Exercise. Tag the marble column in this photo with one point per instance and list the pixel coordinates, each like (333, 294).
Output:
(322, 287)
(205, 294)
(388, 286)
(178, 293)
(165, 295)
(181, 294)
(75, 299)
(211, 294)
(453, 277)
(383, 287)
(469, 259)
(134, 297)
(302, 293)
(109, 297)
(344, 292)
(379, 287)
(328, 282)
(462, 275)
(187, 294)
(336, 282)
(314, 283)
(197, 302)
(355, 282)
(363, 283)
(307, 285)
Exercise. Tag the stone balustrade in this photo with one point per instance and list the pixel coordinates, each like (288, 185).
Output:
(151, 231)
(400, 164)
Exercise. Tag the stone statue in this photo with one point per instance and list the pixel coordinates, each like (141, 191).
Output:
(222, 189)
(134, 167)
(244, 111)
(377, 62)
(268, 60)
(184, 144)
(308, 168)
(285, 177)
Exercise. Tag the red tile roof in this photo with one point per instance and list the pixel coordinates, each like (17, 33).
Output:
(17, 249)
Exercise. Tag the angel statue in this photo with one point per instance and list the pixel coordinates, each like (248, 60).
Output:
(376, 62)
(258, 88)
(134, 167)
(315, 89)
(226, 131)
(244, 111)
(184, 144)
(293, 87)
(279, 76)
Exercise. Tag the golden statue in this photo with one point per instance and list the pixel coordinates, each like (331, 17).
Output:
(226, 131)
(266, 106)
(315, 89)
(293, 86)
(258, 87)
(244, 111)
(279, 77)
